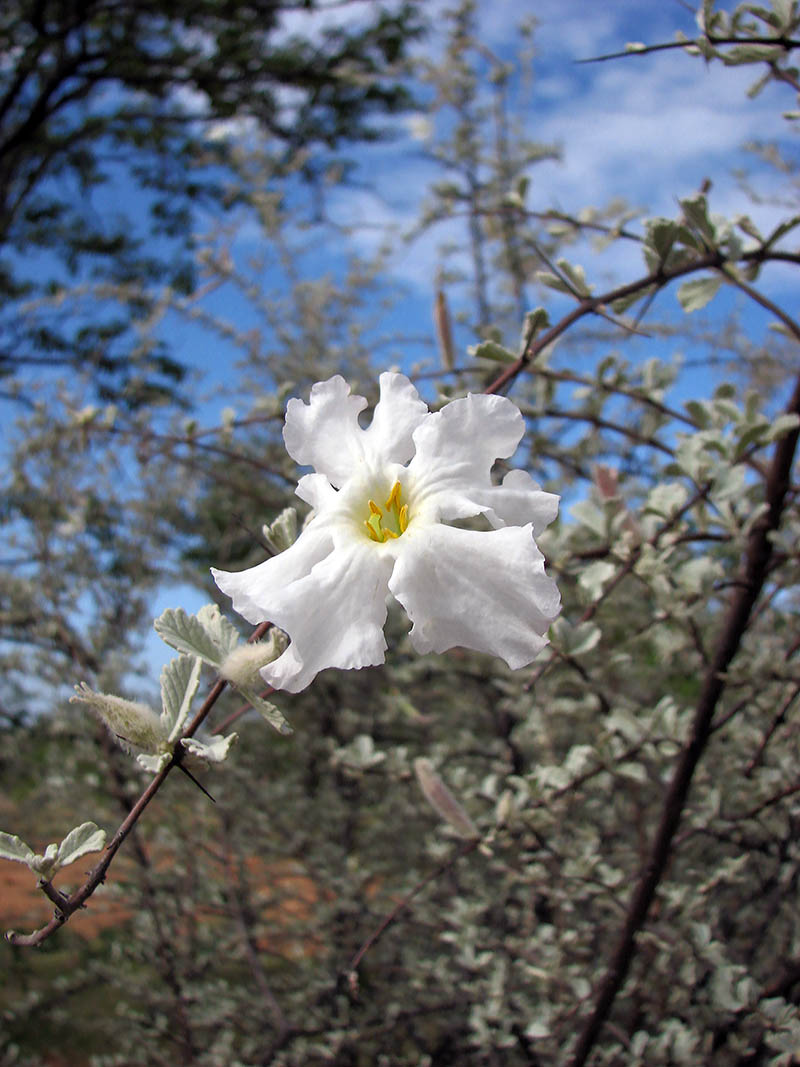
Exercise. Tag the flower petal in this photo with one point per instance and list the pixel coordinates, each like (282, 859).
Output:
(482, 590)
(456, 449)
(517, 501)
(317, 491)
(324, 433)
(252, 591)
(398, 413)
(334, 616)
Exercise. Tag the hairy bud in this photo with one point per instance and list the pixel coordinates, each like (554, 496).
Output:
(135, 726)
(241, 666)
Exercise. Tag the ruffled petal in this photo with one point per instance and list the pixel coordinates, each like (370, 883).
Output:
(456, 449)
(324, 433)
(316, 490)
(398, 413)
(517, 501)
(334, 617)
(481, 590)
(254, 590)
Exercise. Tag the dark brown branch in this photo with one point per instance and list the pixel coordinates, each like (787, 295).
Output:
(69, 905)
(756, 564)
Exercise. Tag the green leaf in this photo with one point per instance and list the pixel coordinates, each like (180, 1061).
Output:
(552, 281)
(575, 275)
(783, 424)
(594, 577)
(213, 749)
(88, 837)
(535, 321)
(187, 634)
(221, 631)
(751, 53)
(695, 210)
(697, 292)
(179, 680)
(493, 351)
(590, 515)
(267, 711)
(12, 848)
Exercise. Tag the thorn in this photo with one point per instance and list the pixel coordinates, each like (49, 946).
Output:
(202, 788)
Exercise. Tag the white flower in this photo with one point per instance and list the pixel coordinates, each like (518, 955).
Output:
(382, 499)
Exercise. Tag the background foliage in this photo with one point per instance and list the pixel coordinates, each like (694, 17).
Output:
(632, 898)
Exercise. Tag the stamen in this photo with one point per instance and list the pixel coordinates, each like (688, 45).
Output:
(393, 503)
(383, 527)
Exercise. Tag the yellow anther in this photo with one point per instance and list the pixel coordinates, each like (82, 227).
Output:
(389, 526)
(393, 503)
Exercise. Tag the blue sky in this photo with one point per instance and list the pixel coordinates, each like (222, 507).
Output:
(644, 129)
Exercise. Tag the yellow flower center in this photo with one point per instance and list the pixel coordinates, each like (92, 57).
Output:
(389, 523)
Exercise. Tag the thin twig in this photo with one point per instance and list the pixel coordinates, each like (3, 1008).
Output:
(69, 905)
(756, 564)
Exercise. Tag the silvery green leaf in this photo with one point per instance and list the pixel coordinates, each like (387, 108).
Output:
(45, 866)
(661, 235)
(535, 320)
(88, 837)
(751, 53)
(442, 800)
(267, 711)
(584, 638)
(281, 533)
(695, 210)
(493, 351)
(590, 515)
(12, 848)
(222, 632)
(552, 281)
(179, 680)
(187, 634)
(360, 754)
(781, 425)
(594, 577)
(154, 764)
(213, 750)
(575, 275)
(697, 292)
(666, 499)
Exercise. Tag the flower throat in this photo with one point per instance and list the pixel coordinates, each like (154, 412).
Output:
(389, 526)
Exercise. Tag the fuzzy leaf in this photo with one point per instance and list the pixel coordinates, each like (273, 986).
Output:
(222, 632)
(88, 837)
(12, 848)
(267, 711)
(697, 292)
(493, 351)
(179, 680)
(154, 764)
(213, 750)
(187, 634)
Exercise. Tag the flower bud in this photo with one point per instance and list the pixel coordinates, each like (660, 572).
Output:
(241, 666)
(135, 726)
